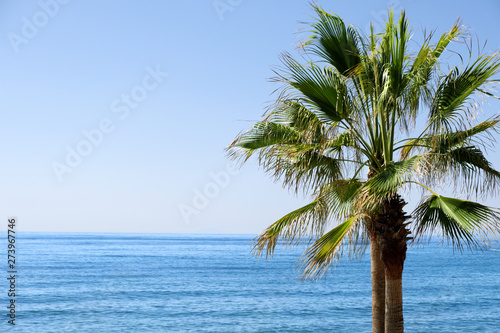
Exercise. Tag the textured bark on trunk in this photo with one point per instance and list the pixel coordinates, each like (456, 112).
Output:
(394, 305)
(378, 287)
(391, 229)
(377, 272)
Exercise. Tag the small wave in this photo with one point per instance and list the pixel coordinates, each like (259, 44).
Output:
(498, 250)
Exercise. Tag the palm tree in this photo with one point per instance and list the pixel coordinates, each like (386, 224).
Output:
(356, 108)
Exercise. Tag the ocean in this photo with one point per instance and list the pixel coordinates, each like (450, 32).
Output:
(85, 282)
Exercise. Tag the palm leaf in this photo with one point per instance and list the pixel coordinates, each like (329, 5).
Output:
(388, 181)
(393, 53)
(444, 142)
(454, 155)
(472, 167)
(333, 199)
(461, 222)
(266, 134)
(304, 221)
(449, 110)
(322, 88)
(264, 137)
(300, 118)
(300, 166)
(328, 249)
(335, 42)
(340, 196)
(423, 65)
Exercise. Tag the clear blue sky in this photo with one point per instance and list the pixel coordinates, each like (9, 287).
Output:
(162, 87)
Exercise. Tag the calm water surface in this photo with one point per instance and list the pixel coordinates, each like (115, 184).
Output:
(69, 282)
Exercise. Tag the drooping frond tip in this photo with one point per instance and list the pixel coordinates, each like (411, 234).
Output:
(459, 222)
(306, 221)
(348, 237)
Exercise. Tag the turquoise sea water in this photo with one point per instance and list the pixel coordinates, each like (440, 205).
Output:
(69, 282)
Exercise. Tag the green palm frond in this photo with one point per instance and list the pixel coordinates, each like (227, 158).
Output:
(335, 199)
(388, 181)
(302, 166)
(393, 53)
(444, 142)
(323, 88)
(418, 77)
(454, 155)
(266, 134)
(263, 137)
(311, 165)
(305, 221)
(289, 123)
(454, 139)
(460, 222)
(335, 42)
(300, 118)
(423, 64)
(301, 157)
(473, 169)
(450, 109)
(340, 196)
(341, 141)
(329, 248)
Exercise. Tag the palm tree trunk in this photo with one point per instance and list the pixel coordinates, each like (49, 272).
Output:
(394, 322)
(378, 287)
(377, 273)
(393, 236)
